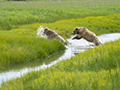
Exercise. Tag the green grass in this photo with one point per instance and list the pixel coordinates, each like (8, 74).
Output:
(97, 68)
(19, 47)
(20, 13)
(97, 24)
(22, 45)
(94, 69)
(32, 63)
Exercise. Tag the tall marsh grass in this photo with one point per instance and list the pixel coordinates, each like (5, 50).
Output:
(22, 48)
(94, 69)
(98, 24)
(20, 13)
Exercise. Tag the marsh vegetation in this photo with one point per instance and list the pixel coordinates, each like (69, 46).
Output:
(15, 13)
(97, 68)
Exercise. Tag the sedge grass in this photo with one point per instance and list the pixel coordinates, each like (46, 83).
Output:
(20, 48)
(105, 57)
(93, 69)
(97, 24)
(20, 13)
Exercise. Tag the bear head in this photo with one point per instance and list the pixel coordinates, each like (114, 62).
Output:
(45, 32)
(78, 30)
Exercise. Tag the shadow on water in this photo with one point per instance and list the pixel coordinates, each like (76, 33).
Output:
(74, 46)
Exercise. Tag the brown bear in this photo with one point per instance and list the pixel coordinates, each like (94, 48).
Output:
(83, 32)
(52, 35)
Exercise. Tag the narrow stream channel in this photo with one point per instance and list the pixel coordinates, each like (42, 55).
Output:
(74, 46)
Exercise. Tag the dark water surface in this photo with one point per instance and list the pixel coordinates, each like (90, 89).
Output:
(74, 46)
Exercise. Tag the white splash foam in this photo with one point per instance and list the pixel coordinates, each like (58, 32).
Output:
(40, 31)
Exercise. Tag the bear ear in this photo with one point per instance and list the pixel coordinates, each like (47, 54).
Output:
(76, 28)
(45, 29)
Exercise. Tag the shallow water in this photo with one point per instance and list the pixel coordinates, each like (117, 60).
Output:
(74, 46)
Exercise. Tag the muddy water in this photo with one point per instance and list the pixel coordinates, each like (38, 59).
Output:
(74, 46)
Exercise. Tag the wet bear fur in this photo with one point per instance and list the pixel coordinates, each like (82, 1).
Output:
(83, 32)
(52, 35)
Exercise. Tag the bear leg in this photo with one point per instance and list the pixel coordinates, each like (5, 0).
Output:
(76, 37)
(96, 41)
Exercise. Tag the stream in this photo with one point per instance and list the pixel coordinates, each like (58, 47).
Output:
(74, 46)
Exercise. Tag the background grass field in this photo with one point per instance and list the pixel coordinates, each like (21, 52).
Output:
(96, 68)
(19, 13)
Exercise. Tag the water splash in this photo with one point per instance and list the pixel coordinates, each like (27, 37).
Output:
(40, 31)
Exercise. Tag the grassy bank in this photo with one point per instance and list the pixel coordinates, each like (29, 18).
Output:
(20, 13)
(23, 47)
(97, 68)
